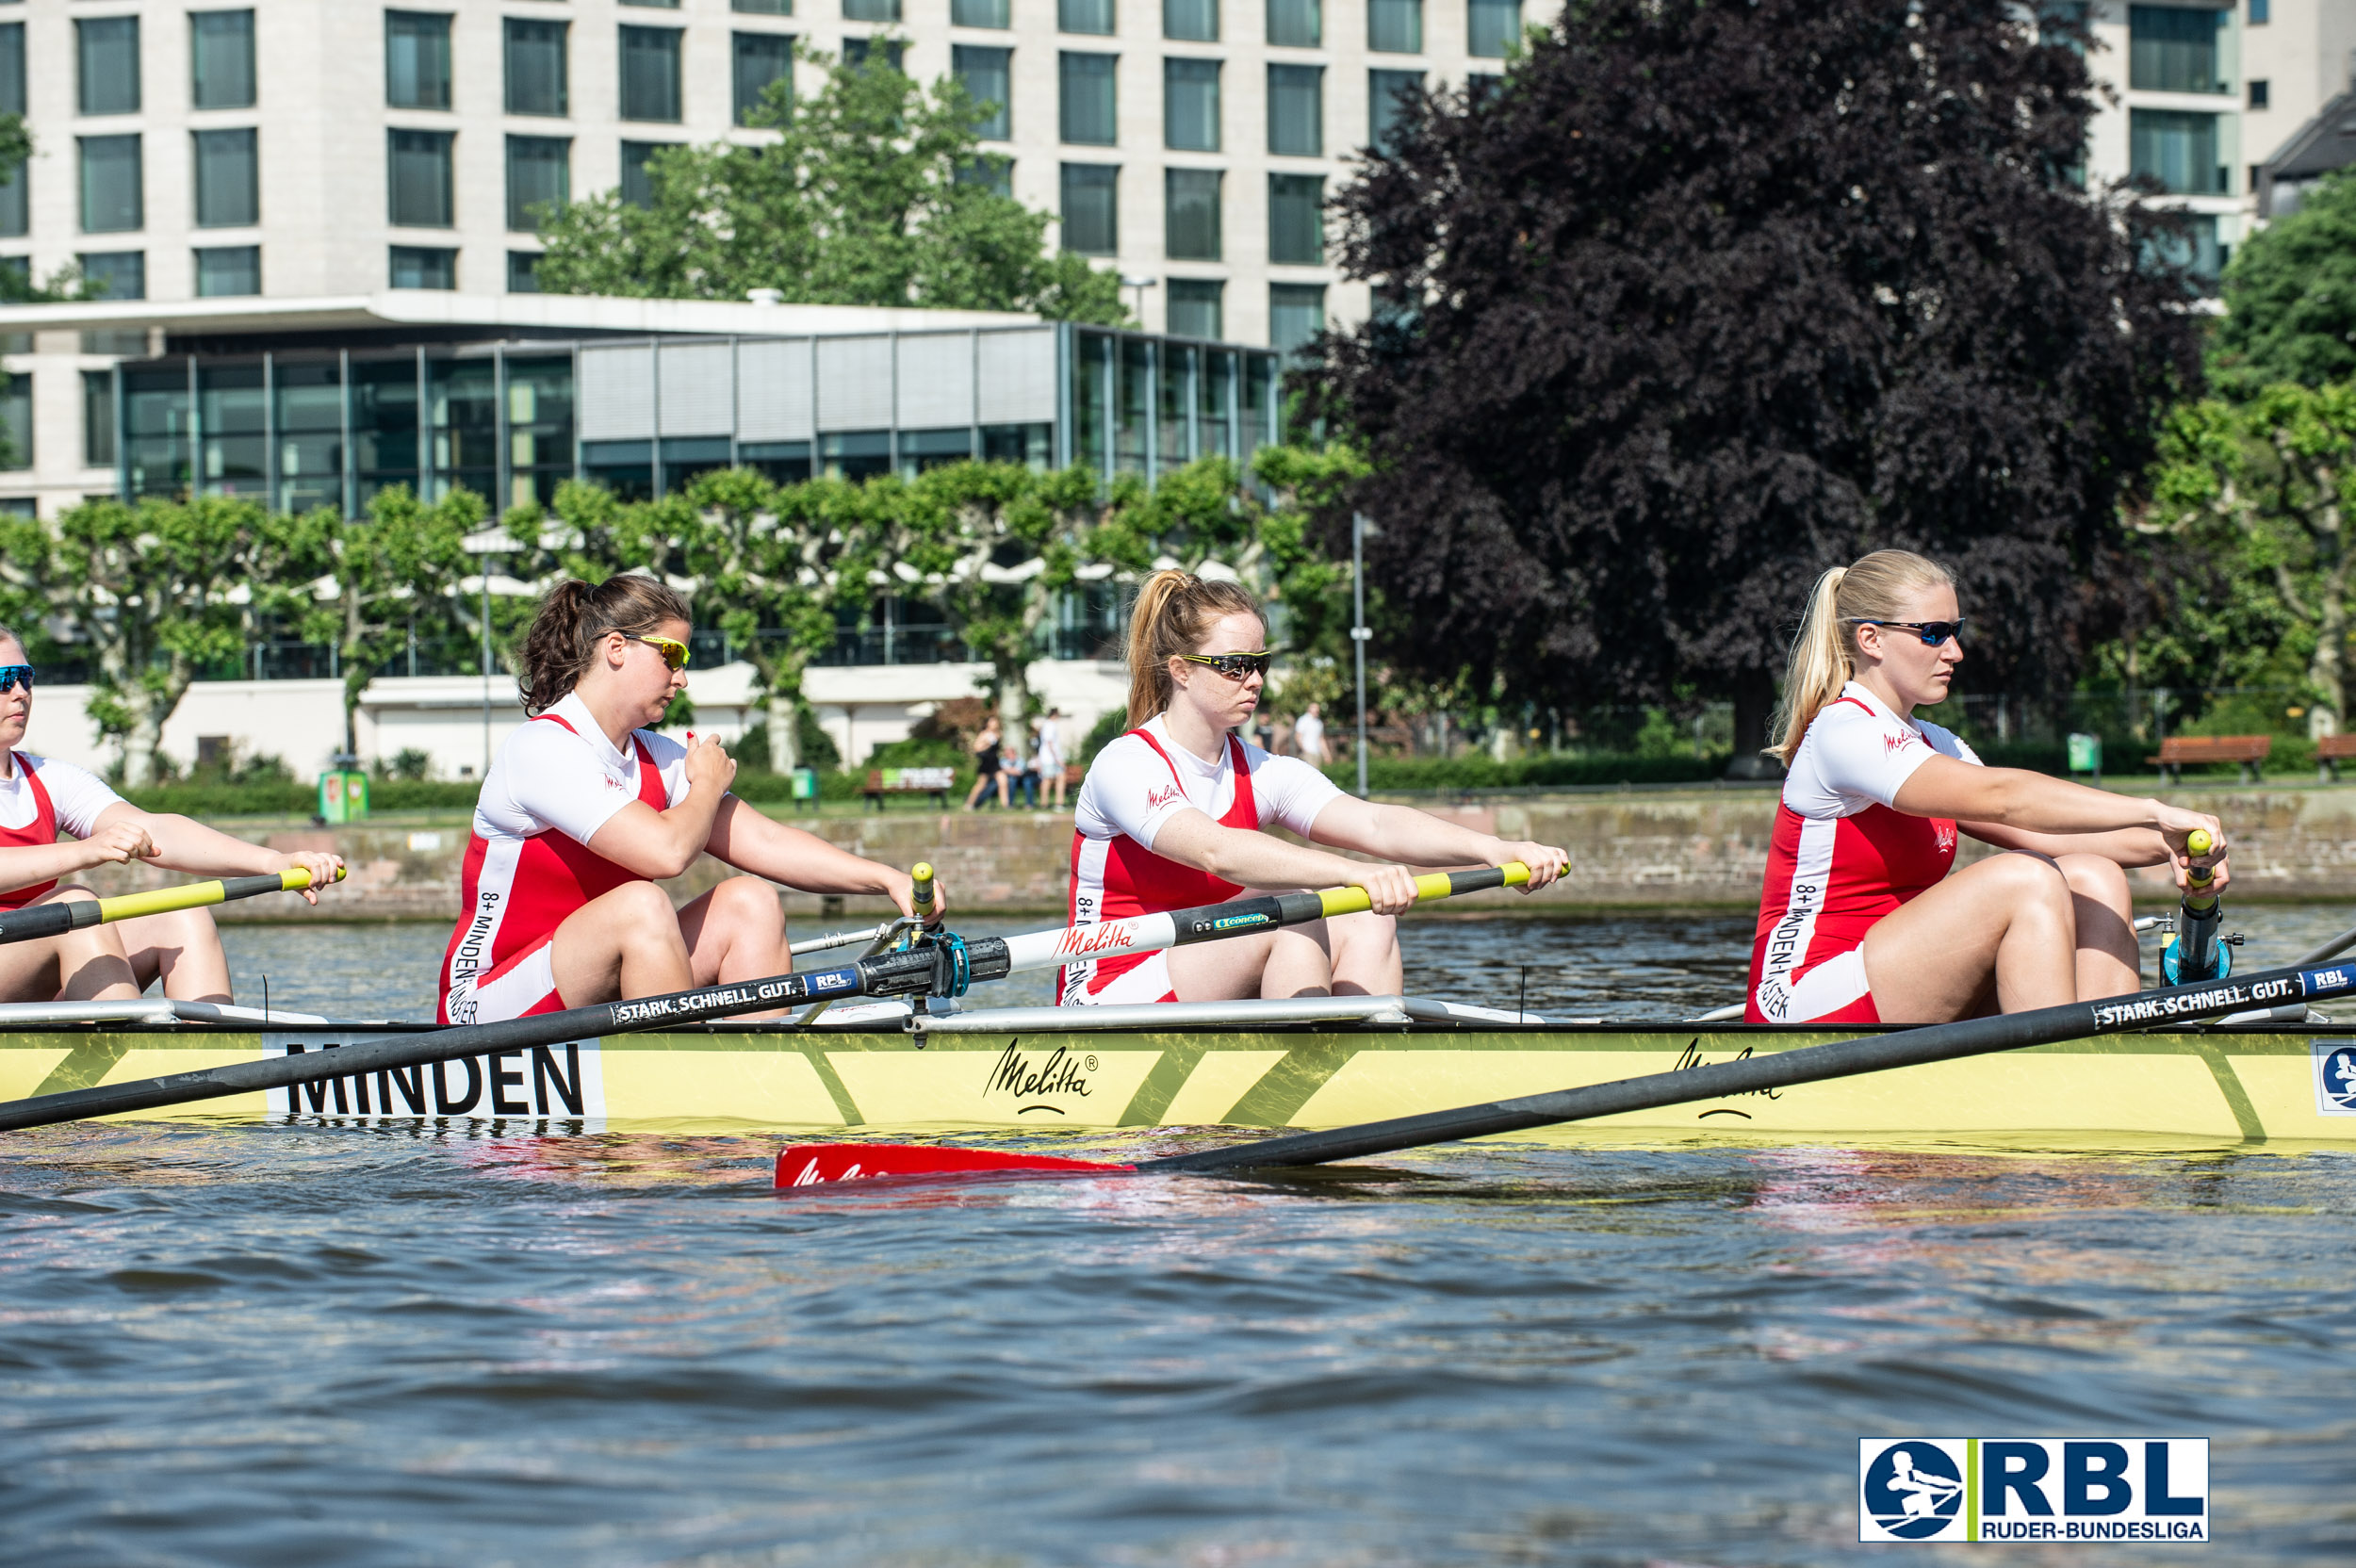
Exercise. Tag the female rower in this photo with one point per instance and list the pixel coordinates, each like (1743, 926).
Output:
(1170, 816)
(585, 806)
(1860, 922)
(40, 798)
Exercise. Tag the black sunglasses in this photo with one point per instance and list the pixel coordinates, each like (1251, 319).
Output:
(1932, 632)
(13, 676)
(1234, 666)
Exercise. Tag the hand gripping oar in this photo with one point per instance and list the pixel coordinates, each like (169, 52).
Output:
(944, 966)
(804, 1165)
(2194, 953)
(58, 917)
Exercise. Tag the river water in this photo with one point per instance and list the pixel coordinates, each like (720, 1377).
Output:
(332, 1345)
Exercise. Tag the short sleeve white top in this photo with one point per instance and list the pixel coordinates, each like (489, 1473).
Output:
(79, 796)
(571, 780)
(1130, 789)
(1859, 753)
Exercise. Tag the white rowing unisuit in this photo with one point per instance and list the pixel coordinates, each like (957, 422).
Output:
(1842, 857)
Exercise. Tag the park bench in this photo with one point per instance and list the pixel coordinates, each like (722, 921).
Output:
(2178, 751)
(935, 783)
(2331, 751)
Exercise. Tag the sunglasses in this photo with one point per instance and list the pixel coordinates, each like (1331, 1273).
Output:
(1932, 632)
(1234, 666)
(674, 653)
(13, 676)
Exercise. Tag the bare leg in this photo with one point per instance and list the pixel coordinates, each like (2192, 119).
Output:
(183, 949)
(625, 943)
(1366, 959)
(2108, 962)
(1347, 955)
(2009, 916)
(80, 966)
(1223, 971)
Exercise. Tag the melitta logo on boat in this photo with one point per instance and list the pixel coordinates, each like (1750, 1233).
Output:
(1030, 1079)
(2046, 1489)
(2335, 1077)
(560, 1082)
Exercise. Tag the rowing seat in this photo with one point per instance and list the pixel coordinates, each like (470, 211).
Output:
(2331, 750)
(2178, 750)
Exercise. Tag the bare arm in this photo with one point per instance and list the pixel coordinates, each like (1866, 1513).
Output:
(2128, 846)
(664, 843)
(1262, 860)
(750, 842)
(2002, 803)
(180, 843)
(1420, 839)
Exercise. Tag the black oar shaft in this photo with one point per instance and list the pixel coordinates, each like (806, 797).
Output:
(1783, 1069)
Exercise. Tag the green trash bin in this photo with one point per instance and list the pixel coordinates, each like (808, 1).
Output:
(2086, 754)
(805, 786)
(343, 796)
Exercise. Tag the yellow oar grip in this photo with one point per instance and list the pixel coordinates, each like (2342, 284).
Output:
(1439, 884)
(160, 901)
(2197, 843)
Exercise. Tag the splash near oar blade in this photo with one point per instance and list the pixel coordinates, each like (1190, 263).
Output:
(809, 1164)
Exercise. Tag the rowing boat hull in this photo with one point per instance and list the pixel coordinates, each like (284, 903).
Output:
(2230, 1085)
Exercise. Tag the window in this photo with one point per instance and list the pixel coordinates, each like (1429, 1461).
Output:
(539, 176)
(1194, 308)
(2177, 149)
(654, 5)
(523, 271)
(1296, 313)
(871, 10)
(2171, 49)
(107, 51)
(1385, 92)
(2260, 13)
(2197, 250)
(115, 274)
(1088, 98)
(1295, 109)
(1084, 16)
(228, 179)
(1191, 106)
(1295, 24)
(220, 60)
(762, 8)
(225, 269)
(424, 267)
(16, 211)
(98, 418)
(2259, 92)
(1492, 27)
(987, 76)
(761, 59)
(992, 173)
(1395, 26)
(1092, 208)
(1296, 219)
(637, 180)
(1190, 214)
(537, 76)
(651, 74)
(981, 13)
(112, 200)
(13, 68)
(1193, 21)
(16, 419)
(857, 49)
(416, 60)
(416, 165)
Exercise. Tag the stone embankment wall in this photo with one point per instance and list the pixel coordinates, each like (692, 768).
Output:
(1636, 849)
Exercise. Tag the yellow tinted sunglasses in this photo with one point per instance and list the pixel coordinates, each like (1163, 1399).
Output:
(674, 653)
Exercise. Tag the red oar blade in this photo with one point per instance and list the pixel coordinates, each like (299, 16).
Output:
(804, 1164)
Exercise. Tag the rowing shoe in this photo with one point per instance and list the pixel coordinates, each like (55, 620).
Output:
(942, 965)
(60, 916)
(810, 1163)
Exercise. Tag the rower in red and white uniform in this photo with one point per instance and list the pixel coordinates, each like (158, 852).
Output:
(1859, 921)
(56, 820)
(586, 806)
(1172, 812)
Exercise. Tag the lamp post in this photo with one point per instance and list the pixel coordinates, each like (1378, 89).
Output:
(1141, 285)
(482, 547)
(1359, 529)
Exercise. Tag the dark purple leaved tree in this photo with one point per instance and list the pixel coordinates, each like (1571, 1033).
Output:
(1704, 298)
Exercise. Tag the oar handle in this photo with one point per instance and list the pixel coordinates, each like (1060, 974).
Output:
(921, 893)
(1439, 884)
(58, 917)
(2197, 844)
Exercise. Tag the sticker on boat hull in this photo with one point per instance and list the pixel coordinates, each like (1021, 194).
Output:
(2335, 1077)
(562, 1085)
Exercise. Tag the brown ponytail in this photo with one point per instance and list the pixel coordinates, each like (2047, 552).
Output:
(1173, 614)
(563, 636)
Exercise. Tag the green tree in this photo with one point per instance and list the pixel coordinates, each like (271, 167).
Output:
(2265, 488)
(2290, 297)
(867, 196)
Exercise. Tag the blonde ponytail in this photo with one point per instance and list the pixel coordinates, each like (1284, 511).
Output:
(1173, 614)
(1823, 655)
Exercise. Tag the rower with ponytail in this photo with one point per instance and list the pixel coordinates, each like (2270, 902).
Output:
(1172, 815)
(587, 807)
(1859, 921)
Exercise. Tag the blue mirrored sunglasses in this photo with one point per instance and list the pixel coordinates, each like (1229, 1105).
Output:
(1932, 632)
(13, 676)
